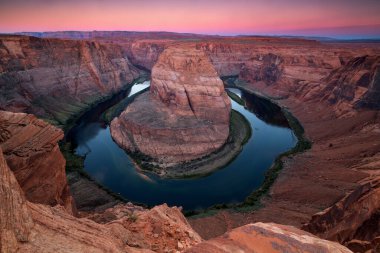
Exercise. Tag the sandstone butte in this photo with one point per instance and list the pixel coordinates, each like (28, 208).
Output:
(185, 115)
(49, 227)
(332, 89)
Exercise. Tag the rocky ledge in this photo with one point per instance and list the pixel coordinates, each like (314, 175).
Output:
(265, 238)
(185, 116)
(31, 150)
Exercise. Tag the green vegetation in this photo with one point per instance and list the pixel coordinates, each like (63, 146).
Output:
(117, 109)
(132, 217)
(237, 122)
(75, 164)
(229, 81)
(253, 201)
(240, 133)
(235, 98)
(302, 145)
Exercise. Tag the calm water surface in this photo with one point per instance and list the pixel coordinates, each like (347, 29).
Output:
(111, 166)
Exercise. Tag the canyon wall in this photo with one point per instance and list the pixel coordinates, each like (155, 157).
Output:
(32, 227)
(56, 79)
(31, 149)
(353, 221)
(292, 65)
(186, 114)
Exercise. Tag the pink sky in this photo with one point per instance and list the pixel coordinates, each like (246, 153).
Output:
(212, 17)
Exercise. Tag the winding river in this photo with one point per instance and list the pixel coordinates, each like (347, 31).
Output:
(108, 164)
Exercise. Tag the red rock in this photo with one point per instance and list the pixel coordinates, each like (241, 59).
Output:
(352, 219)
(15, 218)
(30, 227)
(185, 116)
(31, 149)
(267, 238)
(56, 79)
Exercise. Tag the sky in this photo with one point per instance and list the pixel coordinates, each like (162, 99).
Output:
(332, 18)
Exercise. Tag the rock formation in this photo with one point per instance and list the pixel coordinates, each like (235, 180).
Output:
(15, 218)
(56, 79)
(29, 227)
(31, 149)
(354, 221)
(267, 238)
(357, 83)
(185, 116)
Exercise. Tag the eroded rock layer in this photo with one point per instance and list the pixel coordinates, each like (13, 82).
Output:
(31, 149)
(186, 114)
(353, 221)
(56, 79)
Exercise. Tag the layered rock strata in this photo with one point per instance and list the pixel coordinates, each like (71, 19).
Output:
(186, 114)
(56, 79)
(353, 221)
(31, 149)
(30, 227)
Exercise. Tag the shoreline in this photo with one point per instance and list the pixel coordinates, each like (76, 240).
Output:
(205, 169)
(240, 132)
(97, 196)
(253, 200)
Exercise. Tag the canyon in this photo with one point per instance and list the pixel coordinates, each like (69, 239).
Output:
(49, 227)
(331, 88)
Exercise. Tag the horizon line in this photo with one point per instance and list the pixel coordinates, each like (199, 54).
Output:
(346, 36)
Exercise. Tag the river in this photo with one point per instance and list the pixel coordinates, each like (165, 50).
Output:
(109, 165)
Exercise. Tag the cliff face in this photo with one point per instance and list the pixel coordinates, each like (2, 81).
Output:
(185, 116)
(357, 83)
(353, 221)
(31, 150)
(56, 79)
(15, 218)
(185, 81)
(30, 227)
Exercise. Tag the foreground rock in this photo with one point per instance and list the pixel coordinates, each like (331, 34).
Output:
(31, 149)
(15, 218)
(30, 227)
(185, 116)
(267, 238)
(56, 79)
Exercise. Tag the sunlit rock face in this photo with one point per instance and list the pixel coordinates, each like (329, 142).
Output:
(186, 114)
